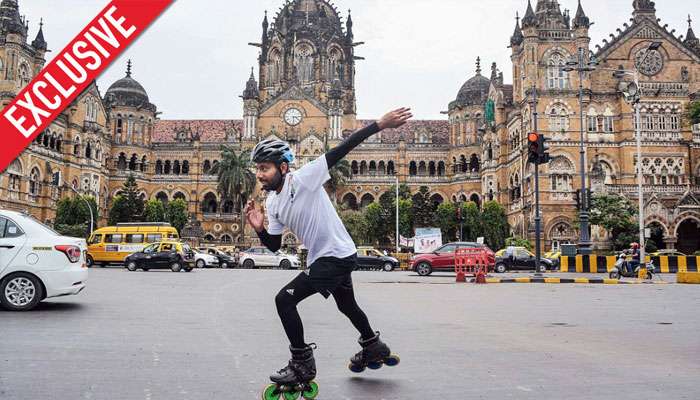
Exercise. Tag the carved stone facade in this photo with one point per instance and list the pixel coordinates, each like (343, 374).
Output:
(305, 94)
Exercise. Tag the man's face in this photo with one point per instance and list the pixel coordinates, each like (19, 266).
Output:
(269, 175)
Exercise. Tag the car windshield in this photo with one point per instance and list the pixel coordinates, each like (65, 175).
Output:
(150, 248)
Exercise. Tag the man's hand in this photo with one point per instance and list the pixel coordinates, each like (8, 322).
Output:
(254, 216)
(395, 119)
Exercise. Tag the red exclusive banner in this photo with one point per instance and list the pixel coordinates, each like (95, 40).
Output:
(72, 71)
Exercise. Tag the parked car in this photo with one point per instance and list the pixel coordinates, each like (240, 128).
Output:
(162, 255)
(520, 258)
(667, 252)
(113, 243)
(443, 259)
(202, 259)
(259, 256)
(371, 258)
(554, 257)
(37, 263)
(225, 260)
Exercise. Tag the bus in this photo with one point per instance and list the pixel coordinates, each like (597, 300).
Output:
(112, 244)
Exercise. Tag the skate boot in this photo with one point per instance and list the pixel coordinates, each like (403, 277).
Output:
(374, 354)
(296, 379)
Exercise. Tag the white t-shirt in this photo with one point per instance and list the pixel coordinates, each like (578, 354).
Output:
(305, 208)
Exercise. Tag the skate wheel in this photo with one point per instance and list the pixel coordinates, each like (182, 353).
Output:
(356, 368)
(374, 365)
(392, 360)
(271, 393)
(291, 395)
(311, 392)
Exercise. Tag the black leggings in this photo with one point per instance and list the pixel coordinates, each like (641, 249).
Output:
(299, 289)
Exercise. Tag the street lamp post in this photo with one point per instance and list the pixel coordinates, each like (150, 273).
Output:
(398, 250)
(582, 66)
(86, 202)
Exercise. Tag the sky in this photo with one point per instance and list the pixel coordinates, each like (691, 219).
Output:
(195, 59)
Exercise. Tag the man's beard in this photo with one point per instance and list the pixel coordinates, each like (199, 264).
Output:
(274, 184)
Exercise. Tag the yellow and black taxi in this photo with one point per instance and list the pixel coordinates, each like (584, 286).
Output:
(162, 255)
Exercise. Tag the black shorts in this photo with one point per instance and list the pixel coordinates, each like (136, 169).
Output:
(328, 273)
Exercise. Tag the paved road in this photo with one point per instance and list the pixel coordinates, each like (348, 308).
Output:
(214, 334)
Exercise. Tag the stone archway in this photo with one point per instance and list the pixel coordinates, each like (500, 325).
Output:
(688, 234)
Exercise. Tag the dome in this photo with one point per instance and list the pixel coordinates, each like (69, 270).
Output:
(474, 91)
(127, 92)
(308, 15)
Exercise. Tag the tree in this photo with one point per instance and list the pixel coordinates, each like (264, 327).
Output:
(73, 216)
(377, 228)
(176, 213)
(119, 212)
(446, 220)
(473, 226)
(154, 211)
(616, 215)
(405, 217)
(339, 173)
(518, 242)
(495, 225)
(356, 225)
(423, 208)
(134, 203)
(235, 179)
(693, 113)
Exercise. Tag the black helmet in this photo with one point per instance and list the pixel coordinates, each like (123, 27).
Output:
(272, 150)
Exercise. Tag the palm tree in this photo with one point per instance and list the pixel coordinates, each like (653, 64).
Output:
(339, 173)
(236, 180)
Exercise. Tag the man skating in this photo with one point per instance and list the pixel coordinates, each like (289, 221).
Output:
(298, 201)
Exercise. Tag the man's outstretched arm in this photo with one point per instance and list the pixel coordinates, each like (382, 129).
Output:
(393, 119)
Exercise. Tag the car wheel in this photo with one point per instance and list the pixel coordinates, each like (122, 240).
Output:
(424, 269)
(249, 264)
(20, 292)
(500, 268)
(224, 265)
(388, 267)
(285, 264)
(542, 268)
(614, 275)
(175, 266)
(200, 263)
(89, 261)
(131, 266)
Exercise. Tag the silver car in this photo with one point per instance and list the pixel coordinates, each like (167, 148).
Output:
(259, 256)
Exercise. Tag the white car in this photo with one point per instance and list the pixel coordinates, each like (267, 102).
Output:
(260, 256)
(37, 263)
(202, 259)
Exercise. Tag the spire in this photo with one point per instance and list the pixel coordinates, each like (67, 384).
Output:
(251, 87)
(265, 23)
(494, 71)
(348, 24)
(690, 39)
(517, 38)
(128, 69)
(10, 20)
(478, 65)
(529, 18)
(581, 20)
(39, 43)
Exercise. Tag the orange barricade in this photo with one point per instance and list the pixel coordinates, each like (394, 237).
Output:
(470, 261)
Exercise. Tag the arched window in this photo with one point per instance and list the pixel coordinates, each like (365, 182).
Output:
(334, 64)
(88, 150)
(52, 141)
(143, 164)
(121, 162)
(363, 168)
(209, 204)
(59, 143)
(441, 168)
(15, 172)
(179, 196)
(167, 168)
(76, 147)
(431, 168)
(422, 169)
(274, 68)
(132, 162)
(350, 201)
(228, 207)
(474, 163)
(34, 184)
(412, 168)
(176, 167)
(159, 167)
(464, 167)
(226, 238)
(561, 174)
(367, 199)
(372, 167)
(390, 168)
(206, 167)
(162, 197)
(556, 77)
(24, 75)
(355, 168)
(558, 118)
(185, 167)
(304, 63)
(381, 169)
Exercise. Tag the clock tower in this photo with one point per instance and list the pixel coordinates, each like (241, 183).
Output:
(306, 89)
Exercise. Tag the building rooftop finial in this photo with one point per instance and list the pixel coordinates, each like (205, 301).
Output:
(128, 69)
(478, 65)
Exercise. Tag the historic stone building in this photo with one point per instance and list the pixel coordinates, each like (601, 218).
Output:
(305, 94)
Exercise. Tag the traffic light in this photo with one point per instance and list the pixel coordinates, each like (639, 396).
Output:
(537, 149)
(533, 144)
